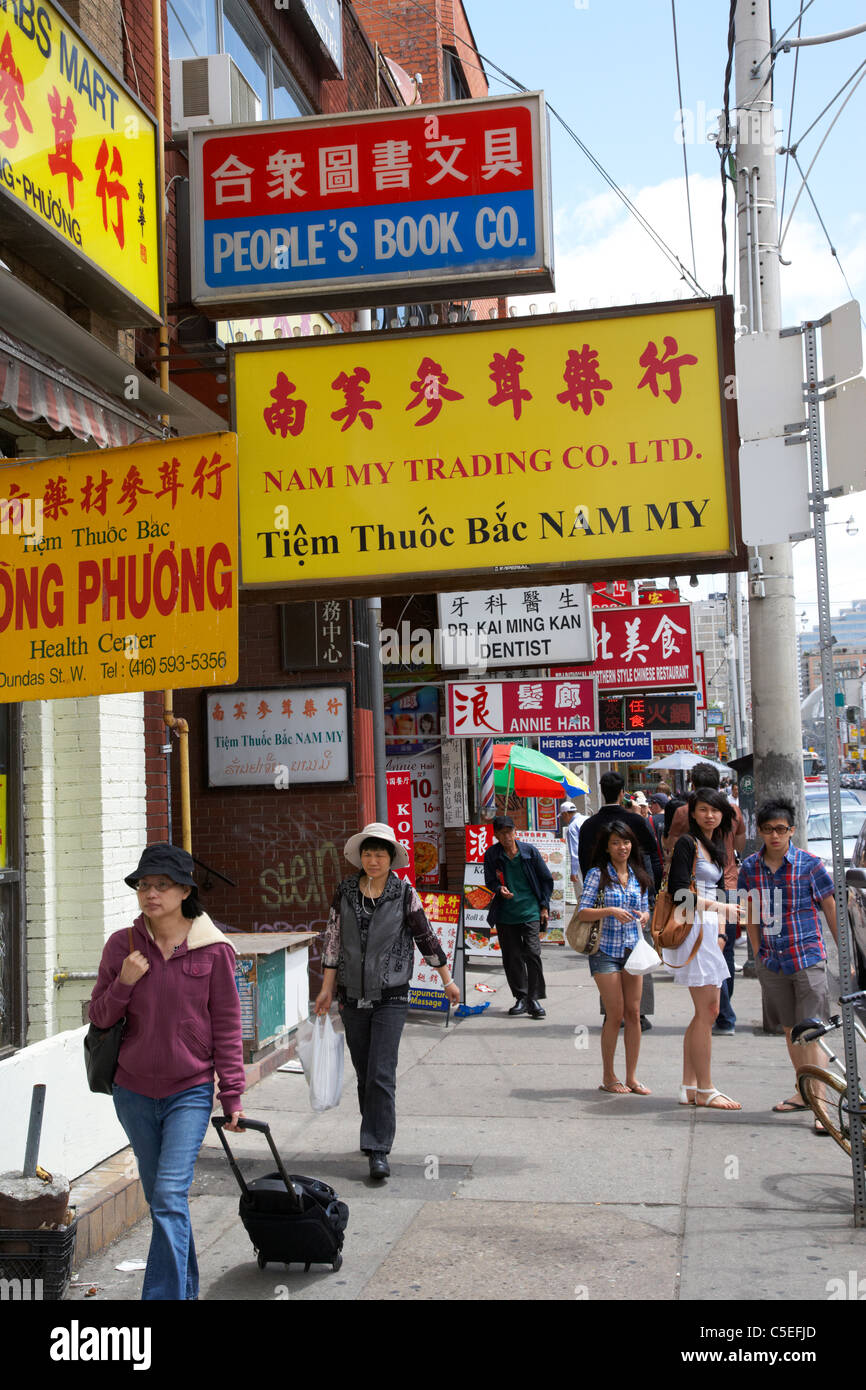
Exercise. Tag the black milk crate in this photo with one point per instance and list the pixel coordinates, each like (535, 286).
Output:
(36, 1265)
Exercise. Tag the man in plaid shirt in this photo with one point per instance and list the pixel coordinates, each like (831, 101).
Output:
(785, 932)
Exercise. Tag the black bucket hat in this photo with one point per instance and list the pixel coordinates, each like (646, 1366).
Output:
(166, 859)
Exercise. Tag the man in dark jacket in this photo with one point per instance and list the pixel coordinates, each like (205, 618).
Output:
(522, 883)
(612, 788)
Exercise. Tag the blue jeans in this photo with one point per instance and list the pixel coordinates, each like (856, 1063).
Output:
(727, 1018)
(166, 1136)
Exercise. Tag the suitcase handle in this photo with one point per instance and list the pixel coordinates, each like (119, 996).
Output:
(220, 1121)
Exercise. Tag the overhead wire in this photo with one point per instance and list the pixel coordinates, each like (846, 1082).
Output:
(685, 156)
(790, 124)
(690, 279)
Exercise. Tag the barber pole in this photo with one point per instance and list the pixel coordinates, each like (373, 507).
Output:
(488, 790)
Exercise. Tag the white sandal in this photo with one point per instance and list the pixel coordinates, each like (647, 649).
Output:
(713, 1093)
(684, 1099)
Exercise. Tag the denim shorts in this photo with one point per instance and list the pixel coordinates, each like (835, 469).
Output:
(603, 964)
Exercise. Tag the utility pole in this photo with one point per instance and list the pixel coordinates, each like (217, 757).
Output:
(776, 727)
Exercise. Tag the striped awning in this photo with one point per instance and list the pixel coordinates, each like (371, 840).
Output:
(36, 387)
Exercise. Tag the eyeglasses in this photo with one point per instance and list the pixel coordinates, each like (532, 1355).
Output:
(144, 885)
(776, 829)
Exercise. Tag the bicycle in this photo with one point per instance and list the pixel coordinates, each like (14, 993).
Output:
(826, 1092)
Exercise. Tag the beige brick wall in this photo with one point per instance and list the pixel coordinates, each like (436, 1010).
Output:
(85, 815)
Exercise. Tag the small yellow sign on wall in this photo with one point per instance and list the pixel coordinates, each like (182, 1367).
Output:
(118, 570)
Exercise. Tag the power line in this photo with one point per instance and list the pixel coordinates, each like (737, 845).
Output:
(655, 236)
(685, 156)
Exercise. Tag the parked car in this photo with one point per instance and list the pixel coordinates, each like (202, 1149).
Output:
(819, 834)
(818, 797)
(856, 897)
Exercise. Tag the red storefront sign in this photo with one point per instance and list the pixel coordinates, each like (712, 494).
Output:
(478, 709)
(654, 597)
(399, 795)
(616, 594)
(644, 648)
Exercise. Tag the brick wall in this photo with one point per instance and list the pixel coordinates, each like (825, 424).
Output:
(283, 848)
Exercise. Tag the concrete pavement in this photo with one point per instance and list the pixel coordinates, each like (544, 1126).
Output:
(512, 1172)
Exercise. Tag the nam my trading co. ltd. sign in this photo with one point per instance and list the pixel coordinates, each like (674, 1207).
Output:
(564, 445)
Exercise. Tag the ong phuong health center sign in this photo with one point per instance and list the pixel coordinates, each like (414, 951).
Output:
(565, 445)
(118, 570)
(372, 207)
(78, 166)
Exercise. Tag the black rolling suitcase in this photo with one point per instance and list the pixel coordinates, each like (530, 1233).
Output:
(290, 1219)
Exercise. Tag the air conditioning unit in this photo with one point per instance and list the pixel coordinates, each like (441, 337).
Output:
(211, 91)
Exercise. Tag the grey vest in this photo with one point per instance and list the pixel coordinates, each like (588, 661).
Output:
(385, 963)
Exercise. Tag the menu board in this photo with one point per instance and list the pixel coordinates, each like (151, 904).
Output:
(480, 940)
(426, 990)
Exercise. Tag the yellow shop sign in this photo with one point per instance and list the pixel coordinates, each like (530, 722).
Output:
(563, 446)
(78, 165)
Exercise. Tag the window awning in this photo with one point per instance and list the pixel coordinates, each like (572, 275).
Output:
(36, 387)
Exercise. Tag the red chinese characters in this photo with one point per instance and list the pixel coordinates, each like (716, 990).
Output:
(60, 161)
(288, 412)
(111, 189)
(505, 373)
(431, 387)
(583, 385)
(357, 407)
(670, 366)
(11, 95)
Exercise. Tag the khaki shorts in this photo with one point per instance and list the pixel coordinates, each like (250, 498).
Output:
(790, 998)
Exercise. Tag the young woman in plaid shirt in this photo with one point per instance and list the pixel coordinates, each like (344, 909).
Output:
(618, 880)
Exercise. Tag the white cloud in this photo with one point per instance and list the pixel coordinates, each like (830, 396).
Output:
(603, 257)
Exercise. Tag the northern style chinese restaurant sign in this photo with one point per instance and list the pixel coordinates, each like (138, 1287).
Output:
(372, 207)
(645, 648)
(477, 709)
(78, 165)
(562, 445)
(118, 570)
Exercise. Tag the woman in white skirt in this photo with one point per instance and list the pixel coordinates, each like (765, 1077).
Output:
(699, 963)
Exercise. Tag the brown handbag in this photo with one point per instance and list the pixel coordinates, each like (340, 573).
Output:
(667, 932)
(585, 937)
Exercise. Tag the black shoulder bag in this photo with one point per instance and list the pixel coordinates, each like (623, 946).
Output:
(101, 1049)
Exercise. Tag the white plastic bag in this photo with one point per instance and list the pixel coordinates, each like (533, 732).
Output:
(321, 1050)
(643, 959)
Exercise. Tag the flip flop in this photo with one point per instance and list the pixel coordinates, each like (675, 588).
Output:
(787, 1107)
(639, 1090)
(818, 1128)
(620, 1089)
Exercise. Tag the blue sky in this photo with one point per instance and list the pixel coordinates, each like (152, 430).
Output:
(608, 68)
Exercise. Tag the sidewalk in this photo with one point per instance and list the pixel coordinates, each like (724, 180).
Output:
(514, 1177)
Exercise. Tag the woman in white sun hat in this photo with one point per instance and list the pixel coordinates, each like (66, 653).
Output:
(376, 921)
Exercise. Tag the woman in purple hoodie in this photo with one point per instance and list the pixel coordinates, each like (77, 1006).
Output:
(177, 991)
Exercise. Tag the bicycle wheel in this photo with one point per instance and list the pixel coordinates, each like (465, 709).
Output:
(824, 1092)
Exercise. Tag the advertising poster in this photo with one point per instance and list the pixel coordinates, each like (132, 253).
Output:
(480, 941)
(426, 990)
(412, 744)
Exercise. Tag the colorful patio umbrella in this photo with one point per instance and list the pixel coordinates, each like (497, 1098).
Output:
(527, 772)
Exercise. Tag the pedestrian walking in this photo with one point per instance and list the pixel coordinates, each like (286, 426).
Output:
(571, 821)
(705, 775)
(516, 874)
(699, 963)
(615, 891)
(177, 991)
(375, 922)
(787, 888)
